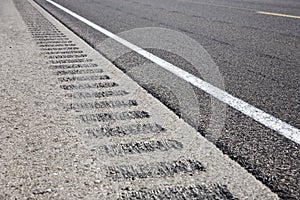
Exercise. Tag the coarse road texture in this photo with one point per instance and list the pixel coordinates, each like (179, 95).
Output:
(73, 126)
(257, 54)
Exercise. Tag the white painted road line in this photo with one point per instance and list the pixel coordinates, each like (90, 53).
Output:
(245, 9)
(258, 115)
(278, 14)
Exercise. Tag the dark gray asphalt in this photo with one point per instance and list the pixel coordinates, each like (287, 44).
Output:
(258, 57)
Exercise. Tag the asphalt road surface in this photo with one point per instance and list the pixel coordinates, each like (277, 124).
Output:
(255, 46)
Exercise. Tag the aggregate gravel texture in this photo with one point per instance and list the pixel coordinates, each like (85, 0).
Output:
(47, 153)
(41, 156)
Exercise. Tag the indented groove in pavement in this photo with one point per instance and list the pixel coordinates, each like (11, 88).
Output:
(79, 71)
(72, 66)
(125, 130)
(72, 55)
(123, 149)
(49, 36)
(157, 169)
(48, 39)
(104, 117)
(83, 78)
(89, 85)
(104, 94)
(172, 158)
(57, 40)
(53, 42)
(102, 104)
(62, 52)
(57, 49)
(193, 192)
(36, 35)
(57, 45)
(71, 61)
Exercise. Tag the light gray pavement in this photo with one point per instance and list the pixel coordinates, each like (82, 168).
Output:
(77, 127)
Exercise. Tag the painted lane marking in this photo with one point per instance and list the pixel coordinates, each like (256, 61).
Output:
(278, 14)
(258, 115)
(218, 5)
(249, 10)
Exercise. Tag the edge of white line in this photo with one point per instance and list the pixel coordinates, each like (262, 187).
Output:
(258, 115)
(278, 14)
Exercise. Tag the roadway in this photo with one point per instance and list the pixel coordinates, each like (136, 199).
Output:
(255, 45)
